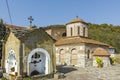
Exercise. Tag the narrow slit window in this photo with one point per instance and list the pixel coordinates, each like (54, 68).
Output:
(78, 29)
(71, 31)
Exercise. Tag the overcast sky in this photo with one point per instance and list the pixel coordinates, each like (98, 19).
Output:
(50, 12)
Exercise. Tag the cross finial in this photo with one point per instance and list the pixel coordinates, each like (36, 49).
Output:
(76, 16)
(31, 19)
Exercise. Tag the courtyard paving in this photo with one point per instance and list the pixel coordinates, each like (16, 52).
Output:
(90, 73)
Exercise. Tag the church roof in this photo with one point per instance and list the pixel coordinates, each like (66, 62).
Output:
(12, 26)
(76, 40)
(76, 20)
(20, 32)
(101, 52)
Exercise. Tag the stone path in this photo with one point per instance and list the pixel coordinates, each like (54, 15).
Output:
(91, 73)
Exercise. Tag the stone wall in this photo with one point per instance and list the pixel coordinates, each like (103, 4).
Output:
(66, 52)
(14, 44)
(41, 40)
(105, 60)
(74, 28)
(57, 33)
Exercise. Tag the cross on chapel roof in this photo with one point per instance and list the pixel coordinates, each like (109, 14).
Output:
(30, 20)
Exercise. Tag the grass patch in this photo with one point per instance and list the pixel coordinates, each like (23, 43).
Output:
(26, 78)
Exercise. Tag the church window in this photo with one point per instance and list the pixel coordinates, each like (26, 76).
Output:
(83, 31)
(88, 54)
(64, 34)
(71, 31)
(78, 29)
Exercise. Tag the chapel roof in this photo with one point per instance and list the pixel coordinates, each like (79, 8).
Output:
(76, 20)
(12, 26)
(20, 32)
(101, 52)
(76, 40)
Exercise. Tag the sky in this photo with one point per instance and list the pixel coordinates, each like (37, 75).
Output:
(51, 12)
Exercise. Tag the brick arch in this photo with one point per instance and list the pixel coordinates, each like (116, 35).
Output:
(44, 66)
(74, 55)
(61, 56)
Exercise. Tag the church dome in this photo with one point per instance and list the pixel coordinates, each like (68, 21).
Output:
(76, 20)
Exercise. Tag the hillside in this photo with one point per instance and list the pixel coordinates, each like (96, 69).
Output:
(106, 33)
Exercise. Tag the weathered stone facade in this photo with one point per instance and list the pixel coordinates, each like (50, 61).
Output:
(57, 33)
(70, 55)
(28, 50)
(76, 48)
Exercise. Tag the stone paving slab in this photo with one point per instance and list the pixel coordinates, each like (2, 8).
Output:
(93, 73)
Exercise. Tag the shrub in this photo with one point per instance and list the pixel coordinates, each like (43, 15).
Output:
(99, 61)
(112, 60)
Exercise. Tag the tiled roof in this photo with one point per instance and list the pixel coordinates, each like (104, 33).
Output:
(101, 52)
(111, 47)
(76, 40)
(75, 20)
(12, 26)
(19, 33)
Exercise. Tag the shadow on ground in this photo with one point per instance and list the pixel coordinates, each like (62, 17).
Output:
(65, 69)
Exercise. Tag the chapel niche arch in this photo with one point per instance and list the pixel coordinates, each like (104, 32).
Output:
(74, 58)
(38, 62)
(11, 63)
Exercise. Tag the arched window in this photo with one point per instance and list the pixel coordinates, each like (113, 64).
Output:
(61, 56)
(78, 30)
(64, 34)
(74, 57)
(88, 54)
(83, 31)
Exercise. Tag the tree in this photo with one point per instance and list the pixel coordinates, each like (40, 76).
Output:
(2, 34)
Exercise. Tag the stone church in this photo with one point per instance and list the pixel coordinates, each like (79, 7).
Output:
(77, 49)
(27, 51)
(32, 51)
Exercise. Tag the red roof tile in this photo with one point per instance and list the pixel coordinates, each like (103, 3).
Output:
(75, 20)
(12, 26)
(101, 52)
(76, 40)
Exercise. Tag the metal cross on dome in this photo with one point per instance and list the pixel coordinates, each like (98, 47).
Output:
(31, 19)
